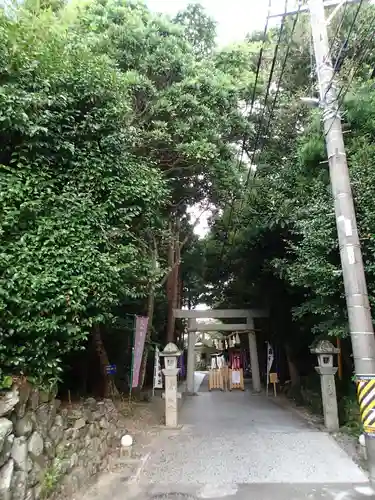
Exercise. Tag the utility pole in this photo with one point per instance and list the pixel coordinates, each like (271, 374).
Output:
(357, 302)
(359, 312)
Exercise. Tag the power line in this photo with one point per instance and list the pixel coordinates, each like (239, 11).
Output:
(281, 74)
(274, 100)
(327, 3)
(344, 45)
(283, 68)
(355, 67)
(254, 91)
(335, 36)
(260, 128)
(338, 28)
(260, 119)
(259, 63)
(273, 64)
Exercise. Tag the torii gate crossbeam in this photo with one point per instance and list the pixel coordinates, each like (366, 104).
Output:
(193, 327)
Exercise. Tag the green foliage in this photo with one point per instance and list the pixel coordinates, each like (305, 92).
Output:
(282, 249)
(113, 121)
(51, 478)
(185, 108)
(74, 198)
(6, 382)
(199, 29)
(350, 415)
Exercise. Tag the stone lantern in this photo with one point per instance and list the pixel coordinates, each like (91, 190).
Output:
(170, 371)
(325, 351)
(170, 355)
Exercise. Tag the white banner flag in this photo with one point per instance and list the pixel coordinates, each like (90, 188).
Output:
(158, 378)
(270, 358)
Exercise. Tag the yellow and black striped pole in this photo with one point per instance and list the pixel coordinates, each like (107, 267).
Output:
(366, 400)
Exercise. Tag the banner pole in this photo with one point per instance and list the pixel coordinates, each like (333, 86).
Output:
(132, 362)
(267, 377)
(155, 369)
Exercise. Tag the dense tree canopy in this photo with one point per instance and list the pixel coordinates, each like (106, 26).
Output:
(114, 121)
(282, 249)
(74, 196)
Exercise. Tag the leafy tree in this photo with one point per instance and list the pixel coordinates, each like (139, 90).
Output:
(75, 199)
(186, 110)
(199, 29)
(282, 249)
(114, 121)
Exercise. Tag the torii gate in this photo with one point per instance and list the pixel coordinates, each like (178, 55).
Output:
(194, 327)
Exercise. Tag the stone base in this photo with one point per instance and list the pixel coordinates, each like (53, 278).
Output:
(178, 396)
(167, 428)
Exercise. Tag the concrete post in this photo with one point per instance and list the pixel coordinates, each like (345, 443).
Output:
(190, 369)
(254, 362)
(171, 394)
(325, 351)
(327, 382)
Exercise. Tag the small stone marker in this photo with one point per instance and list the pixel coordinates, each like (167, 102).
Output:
(126, 445)
(126, 441)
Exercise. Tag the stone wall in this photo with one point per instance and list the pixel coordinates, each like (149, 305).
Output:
(46, 448)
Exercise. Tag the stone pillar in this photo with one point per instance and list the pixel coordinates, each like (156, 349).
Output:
(254, 362)
(190, 369)
(328, 386)
(171, 394)
(325, 351)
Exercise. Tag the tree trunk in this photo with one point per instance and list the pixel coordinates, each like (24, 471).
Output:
(177, 282)
(85, 369)
(293, 371)
(346, 358)
(181, 294)
(150, 314)
(173, 261)
(110, 388)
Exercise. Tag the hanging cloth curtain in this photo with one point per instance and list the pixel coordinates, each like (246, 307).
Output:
(181, 365)
(220, 361)
(235, 360)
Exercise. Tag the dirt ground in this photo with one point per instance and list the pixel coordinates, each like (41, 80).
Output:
(143, 422)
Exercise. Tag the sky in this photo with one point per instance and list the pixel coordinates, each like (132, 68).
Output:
(235, 18)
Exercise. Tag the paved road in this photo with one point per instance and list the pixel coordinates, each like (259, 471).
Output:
(242, 446)
(246, 446)
(253, 491)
